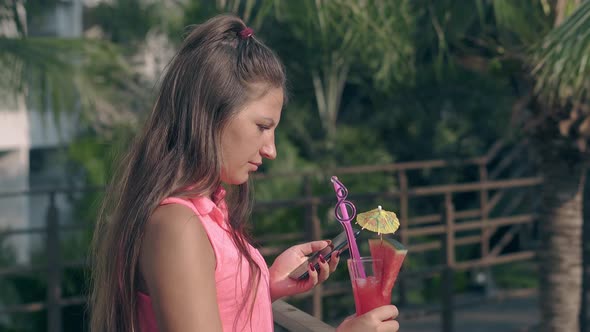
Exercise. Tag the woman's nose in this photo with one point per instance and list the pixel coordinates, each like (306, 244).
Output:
(269, 151)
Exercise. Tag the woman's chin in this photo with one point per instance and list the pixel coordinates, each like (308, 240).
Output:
(236, 180)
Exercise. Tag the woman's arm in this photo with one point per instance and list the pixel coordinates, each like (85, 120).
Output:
(177, 264)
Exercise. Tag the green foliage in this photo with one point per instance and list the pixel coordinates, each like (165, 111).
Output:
(32, 288)
(369, 35)
(360, 145)
(93, 155)
(27, 289)
(97, 154)
(253, 12)
(513, 30)
(69, 76)
(515, 276)
(460, 117)
(125, 21)
(441, 29)
(419, 80)
(561, 65)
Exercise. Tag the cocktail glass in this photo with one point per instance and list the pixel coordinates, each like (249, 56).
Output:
(368, 288)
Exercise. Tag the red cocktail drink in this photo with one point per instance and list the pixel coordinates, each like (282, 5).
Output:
(367, 288)
(374, 289)
(368, 295)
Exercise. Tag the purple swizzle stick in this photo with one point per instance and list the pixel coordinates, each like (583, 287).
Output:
(342, 214)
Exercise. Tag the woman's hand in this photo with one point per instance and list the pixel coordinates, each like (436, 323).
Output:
(380, 319)
(280, 283)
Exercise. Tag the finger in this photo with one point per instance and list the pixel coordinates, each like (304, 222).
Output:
(389, 326)
(351, 317)
(313, 276)
(334, 261)
(309, 247)
(385, 312)
(324, 271)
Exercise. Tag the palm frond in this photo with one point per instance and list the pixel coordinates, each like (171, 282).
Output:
(87, 77)
(561, 65)
(374, 34)
(521, 22)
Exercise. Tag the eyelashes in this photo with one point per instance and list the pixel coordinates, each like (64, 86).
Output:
(263, 127)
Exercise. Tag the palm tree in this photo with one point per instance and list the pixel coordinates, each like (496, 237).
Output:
(585, 307)
(550, 41)
(542, 46)
(529, 39)
(84, 76)
(563, 126)
(339, 37)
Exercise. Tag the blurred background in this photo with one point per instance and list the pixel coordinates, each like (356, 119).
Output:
(469, 119)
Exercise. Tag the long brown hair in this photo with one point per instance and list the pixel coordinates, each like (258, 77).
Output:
(177, 154)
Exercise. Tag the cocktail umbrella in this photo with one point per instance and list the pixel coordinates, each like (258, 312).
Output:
(378, 220)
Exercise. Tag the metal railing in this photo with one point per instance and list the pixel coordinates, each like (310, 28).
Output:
(443, 231)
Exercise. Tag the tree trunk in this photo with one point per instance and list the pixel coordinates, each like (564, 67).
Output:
(560, 254)
(328, 85)
(585, 310)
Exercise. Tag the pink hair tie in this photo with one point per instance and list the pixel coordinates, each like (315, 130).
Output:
(246, 33)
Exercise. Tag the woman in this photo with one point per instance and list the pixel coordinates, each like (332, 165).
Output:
(171, 253)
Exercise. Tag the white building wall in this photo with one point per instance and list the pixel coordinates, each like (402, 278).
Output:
(23, 130)
(14, 210)
(14, 124)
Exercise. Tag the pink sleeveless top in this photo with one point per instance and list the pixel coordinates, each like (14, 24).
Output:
(231, 279)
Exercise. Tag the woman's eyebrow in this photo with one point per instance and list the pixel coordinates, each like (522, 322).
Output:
(271, 121)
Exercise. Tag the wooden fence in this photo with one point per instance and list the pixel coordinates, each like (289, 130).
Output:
(444, 231)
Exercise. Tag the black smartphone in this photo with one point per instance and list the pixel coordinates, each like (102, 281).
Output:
(338, 243)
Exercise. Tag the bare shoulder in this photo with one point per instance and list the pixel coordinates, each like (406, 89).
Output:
(177, 263)
(173, 222)
(171, 215)
(174, 241)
